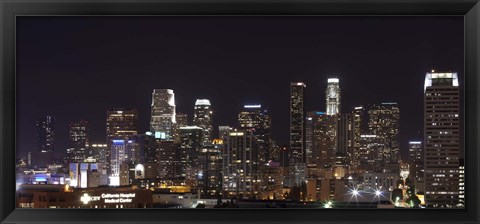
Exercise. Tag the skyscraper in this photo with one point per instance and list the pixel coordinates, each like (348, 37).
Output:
(78, 141)
(181, 121)
(358, 126)
(333, 96)
(345, 136)
(258, 120)
(416, 160)
(384, 121)
(191, 142)
(238, 164)
(121, 125)
(297, 123)
(163, 112)
(442, 139)
(203, 118)
(45, 134)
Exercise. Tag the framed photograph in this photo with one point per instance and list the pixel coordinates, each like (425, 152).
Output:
(243, 111)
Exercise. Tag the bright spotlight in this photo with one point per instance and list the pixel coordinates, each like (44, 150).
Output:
(378, 193)
(355, 192)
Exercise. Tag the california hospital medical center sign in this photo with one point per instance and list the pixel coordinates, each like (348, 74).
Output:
(109, 198)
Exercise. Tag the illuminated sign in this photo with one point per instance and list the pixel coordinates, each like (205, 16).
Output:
(415, 142)
(108, 198)
(252, 106)
(320, 113)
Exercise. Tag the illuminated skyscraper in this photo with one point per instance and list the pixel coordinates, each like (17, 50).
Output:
(45, 134)
(297, 122)
(181, 121)
(203, 118)
(78, 141)
(121, 125)
(345, 139)
(442, 139)
(258, 120)
(358, 126)
(239, 169)
(163, 112)
(333, 96)
(417, 162)
(384, 121)
(191, 143)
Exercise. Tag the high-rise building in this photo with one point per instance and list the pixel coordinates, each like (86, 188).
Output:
(191, 143)
(384, 121)
(163, 112)
(121, 125)
(203, 118)
(259, 121)
(345, 139)
(167, 160)
(210, 169)
(321, 134)
(359, 118)
(297, 123)
(45, 134)
(441, 139)
(238, 165)
(368, 155)
(78, 141)
(333, 96)
(181, 121)
(417, 162)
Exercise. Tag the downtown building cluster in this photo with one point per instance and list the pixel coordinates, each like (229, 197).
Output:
(334, 156)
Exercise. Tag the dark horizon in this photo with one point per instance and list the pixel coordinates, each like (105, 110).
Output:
(76, 67)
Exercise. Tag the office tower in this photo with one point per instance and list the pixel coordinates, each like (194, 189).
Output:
(259, 121)
(45, 134)
(359, 118)
(163, 112)
(121, 125)
(416, 160)
(78, 141)
(203, 118)
(238, 167)
(297, 125)
(191, 142)
(333, 96)
(117, 160)
(151, 155)
(181, 121)
(384, 121)
(368, 155)
(210, 169)
(166, 160)
(345, 139)
(441, 139)
(321, 133)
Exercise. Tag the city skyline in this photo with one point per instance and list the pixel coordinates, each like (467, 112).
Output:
(268, 91)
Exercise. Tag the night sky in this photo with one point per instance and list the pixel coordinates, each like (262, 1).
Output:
(76, 67)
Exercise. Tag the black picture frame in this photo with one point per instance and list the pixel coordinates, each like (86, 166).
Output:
(9, 9)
